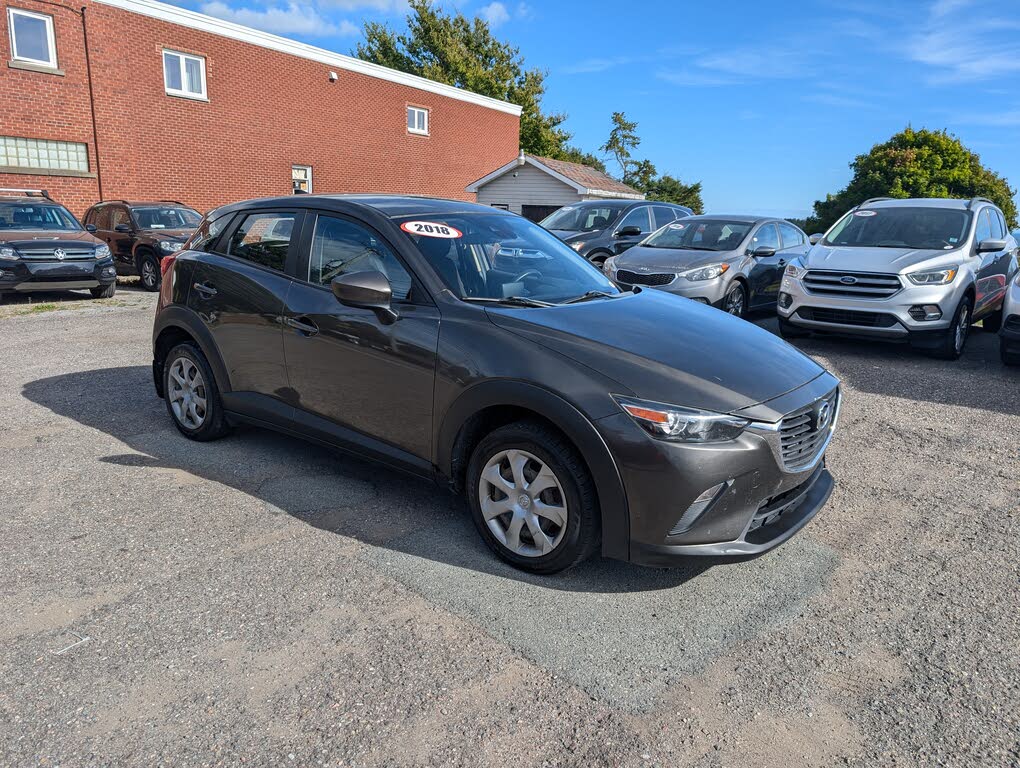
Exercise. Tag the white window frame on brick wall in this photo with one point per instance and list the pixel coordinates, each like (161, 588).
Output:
(182, 72)
(51, 40)
(421, 112)
(294, 179)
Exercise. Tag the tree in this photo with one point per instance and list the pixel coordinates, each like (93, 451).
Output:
(642, 175)
(459, 51)
(672, 190)
(622, 139)
(916, 164)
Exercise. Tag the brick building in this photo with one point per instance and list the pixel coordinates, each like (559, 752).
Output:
(137, 99)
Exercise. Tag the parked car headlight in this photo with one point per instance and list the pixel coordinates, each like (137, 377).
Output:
(102, 252)
(795, 270)
(705, 273)
(577, 245)
(169, 246)
(609, 265)
(7, 253)
(678, 424)
(936, 277)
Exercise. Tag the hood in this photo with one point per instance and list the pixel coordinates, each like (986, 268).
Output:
(570, 235)
(168, 234)
(42, 238)
(668, 349)
(669, 259)
(890, 260)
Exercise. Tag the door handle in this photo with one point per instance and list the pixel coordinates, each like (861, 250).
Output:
(302, 325)
(207, 291)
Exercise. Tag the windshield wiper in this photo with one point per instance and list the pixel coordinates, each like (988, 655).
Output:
(510, 301)
(589, 296)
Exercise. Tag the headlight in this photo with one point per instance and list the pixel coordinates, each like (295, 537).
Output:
(609, 265)
(705, 273)
(795, 270)
(168, 246)
(936, 277)
(102, 252)
(7, 253)
(677, 424)
(577, 245)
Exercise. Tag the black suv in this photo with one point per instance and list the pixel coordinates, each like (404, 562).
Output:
(469, 345)
(141, 234)
(598, 229)
(43, 247)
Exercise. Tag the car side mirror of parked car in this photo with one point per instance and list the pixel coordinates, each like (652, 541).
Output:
(91, 228)
(628, 232)
(990, 246)
(122, 228)
(365, 290)
(763, 252)
(816, 238)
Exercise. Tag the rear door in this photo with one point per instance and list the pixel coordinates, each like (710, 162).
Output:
(362, 372)
(239, 289)
(766, 272)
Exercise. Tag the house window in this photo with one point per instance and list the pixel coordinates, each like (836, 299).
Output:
(418, 120)
(32, 38)
(184, 75)
(47, 155)
(301, 178)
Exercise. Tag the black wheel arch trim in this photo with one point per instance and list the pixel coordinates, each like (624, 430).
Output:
(569, 420)
(188, 321)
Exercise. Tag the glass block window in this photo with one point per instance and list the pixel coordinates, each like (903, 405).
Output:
(41, 153)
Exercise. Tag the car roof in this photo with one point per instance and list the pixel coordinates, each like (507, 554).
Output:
(391, 206)
(30, 199)
(928, 202)
(745, 219)
(134, 203)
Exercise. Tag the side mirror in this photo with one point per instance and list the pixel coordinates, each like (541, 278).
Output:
(763, 252)
(365, 290)
(628, 232)
(122, 228)
(816, 238)
(990, 246)
(91, 228)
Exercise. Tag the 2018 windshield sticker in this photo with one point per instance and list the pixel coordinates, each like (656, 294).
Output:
(431, 229)
(865, 213)
(677, 226)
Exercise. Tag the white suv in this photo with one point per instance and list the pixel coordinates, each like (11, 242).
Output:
(916, 270)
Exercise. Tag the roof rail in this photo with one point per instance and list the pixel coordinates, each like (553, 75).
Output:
(28, 192)
(873, 200)
(975, 200)
(175, 202)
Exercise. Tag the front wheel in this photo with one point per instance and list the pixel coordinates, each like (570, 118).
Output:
(532, 498)
(735, 301)
(104, 292)
(953, 340)
(148, 271)
(598, 258)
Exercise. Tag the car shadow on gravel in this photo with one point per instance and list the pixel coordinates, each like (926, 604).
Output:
(326, 489)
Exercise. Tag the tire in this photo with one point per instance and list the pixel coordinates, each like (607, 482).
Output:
(953, 341)
(1009, 356)
(735, 301)
(148, 271)
(104, 293)
(568, 492)
(790, 331)
(206, 421)
(598, 258)
(993, 322)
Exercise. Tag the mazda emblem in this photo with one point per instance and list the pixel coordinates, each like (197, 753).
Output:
(824, 415)
(848, 279)
(59, 254)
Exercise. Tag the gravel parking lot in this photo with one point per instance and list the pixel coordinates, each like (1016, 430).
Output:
(263, 601)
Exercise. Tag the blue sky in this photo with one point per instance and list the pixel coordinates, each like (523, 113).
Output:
(765, 103)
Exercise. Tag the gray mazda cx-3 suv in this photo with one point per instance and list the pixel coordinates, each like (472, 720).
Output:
(471, 346)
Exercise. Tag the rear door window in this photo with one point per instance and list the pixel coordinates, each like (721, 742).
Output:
(662, 216)
(264, 238)
(792, 237)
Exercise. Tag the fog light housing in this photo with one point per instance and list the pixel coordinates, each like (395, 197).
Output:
(785, 300)
(699, 507)
(700, 300)
(109, 271)
(925, 312)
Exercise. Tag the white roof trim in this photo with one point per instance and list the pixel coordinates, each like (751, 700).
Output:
(204, 23)
(615, 195)
(473, 186)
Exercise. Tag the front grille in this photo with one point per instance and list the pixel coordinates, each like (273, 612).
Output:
(772, 509)
(47, 254)
(802, 433)
(847, 317)
(859, 285)
(637, 278)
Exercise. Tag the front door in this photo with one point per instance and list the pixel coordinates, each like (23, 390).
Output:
(121, 241)
(766, 272)
(639, 217)
(363, 372)
(993, 272)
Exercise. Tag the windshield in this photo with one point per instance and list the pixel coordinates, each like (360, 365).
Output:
(36, 216)
(165, 217)
(582, 218)
(906, 227)
(700, 235)
(493, 256)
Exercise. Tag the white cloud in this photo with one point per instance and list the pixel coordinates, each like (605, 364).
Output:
(963, 41)
(494, 13)
(294, 19)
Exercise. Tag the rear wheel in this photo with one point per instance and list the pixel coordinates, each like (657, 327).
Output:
(148, 271)
(104, 292)
(953, 341)
(532, 498)
(192, 397)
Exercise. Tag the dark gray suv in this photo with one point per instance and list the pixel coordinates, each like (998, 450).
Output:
(598, 229)
(470, 346)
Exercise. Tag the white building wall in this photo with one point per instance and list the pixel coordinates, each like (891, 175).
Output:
(530, 187)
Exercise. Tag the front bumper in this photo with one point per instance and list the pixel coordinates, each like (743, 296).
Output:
(761, 505)
(887, 318)
(1010, 333)
(25, 276)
